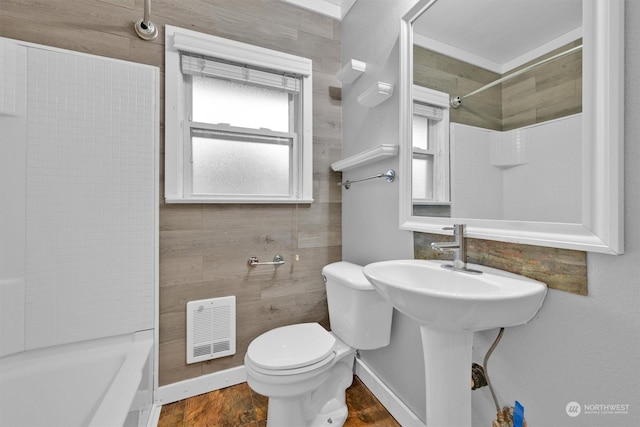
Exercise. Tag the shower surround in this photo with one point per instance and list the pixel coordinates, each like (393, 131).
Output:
(79, 258)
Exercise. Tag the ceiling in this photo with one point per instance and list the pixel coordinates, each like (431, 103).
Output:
(498, 35)
(500, 31)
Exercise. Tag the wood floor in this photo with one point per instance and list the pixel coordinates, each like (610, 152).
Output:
(239, 406)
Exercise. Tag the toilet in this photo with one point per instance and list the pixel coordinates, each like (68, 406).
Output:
(304, 369)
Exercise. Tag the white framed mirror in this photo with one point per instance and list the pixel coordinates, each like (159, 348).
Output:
(592, 191)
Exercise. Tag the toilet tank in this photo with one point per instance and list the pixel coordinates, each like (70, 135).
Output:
(359, 316)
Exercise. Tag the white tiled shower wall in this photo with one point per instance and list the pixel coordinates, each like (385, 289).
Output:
(523, 166)
(13, 130)
(90, 198)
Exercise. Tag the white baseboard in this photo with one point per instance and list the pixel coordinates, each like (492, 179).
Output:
(154, 416)
(387, 397)
(203, 384)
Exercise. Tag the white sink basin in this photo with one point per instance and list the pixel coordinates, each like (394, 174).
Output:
(450, 300)
(450, 306)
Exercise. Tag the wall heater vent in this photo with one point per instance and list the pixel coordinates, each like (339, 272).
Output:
(211, 329)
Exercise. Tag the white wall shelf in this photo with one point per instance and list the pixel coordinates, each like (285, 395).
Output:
(351, 71)
(376, 94)
(366, 157)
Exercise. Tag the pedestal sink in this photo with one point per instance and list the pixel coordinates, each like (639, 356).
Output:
(450, 306)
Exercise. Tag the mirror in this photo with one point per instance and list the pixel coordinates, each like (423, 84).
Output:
(513, 131)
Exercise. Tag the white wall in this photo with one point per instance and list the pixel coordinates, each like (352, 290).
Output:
(370, 215)
(370, 221)
(583, 349)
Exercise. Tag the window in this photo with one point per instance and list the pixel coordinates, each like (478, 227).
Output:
(430, 162)
(238, 122)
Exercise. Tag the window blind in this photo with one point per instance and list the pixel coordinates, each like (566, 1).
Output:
(208, 67)
(429, 111)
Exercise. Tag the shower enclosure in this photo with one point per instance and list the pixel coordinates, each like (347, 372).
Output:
(79, 184)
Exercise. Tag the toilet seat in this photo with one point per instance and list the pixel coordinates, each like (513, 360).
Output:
(295, 371)
(293, 349)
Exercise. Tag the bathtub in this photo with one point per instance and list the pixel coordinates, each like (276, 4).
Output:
(95, 383)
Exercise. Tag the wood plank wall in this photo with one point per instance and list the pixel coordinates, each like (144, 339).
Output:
(545, 93)
(458, 78)
(204, 248)
(548, 92)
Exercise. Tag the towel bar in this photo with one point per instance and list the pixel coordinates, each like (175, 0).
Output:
(390, 176)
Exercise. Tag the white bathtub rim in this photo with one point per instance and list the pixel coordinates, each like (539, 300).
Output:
(54, 353)
(114, 408)
(134, 349)
(93, 345)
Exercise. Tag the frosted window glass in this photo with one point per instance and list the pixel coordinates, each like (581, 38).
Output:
(241, 105)
(422, 177)
(235, 165)
(422, 170)
(420, 131)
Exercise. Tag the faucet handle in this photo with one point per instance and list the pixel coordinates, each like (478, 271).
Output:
(454, 227)
(458, 229)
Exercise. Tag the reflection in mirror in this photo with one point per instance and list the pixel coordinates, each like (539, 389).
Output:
(430, 179)
(534, 143)
(515, 116)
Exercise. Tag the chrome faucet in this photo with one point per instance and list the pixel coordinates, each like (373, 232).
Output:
(459, 249)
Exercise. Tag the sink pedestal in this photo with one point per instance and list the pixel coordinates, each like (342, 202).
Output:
(447, 360)
(449, 306)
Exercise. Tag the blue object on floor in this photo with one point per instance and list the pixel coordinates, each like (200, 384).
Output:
(518, 415)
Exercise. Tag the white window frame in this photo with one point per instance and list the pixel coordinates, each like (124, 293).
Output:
(440, 144)
(176, 179)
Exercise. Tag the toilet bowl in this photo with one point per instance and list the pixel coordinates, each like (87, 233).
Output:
(304, 369)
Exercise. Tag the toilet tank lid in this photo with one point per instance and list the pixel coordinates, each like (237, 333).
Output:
(348, 274)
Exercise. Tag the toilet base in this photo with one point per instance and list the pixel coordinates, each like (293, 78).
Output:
(288, 413)
(319, 401)
(324, 406)
(333, 414)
